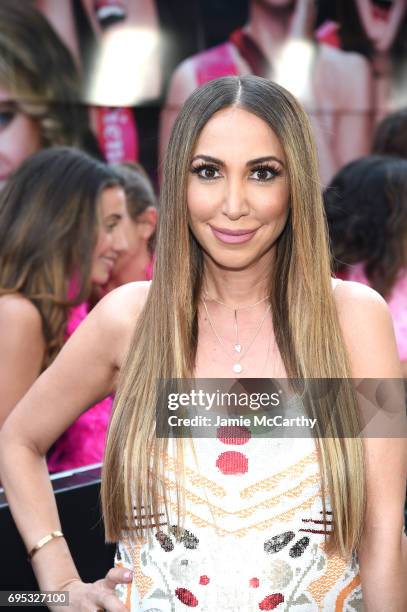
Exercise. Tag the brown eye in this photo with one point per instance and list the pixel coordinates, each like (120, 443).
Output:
(264, 173)
(206, 171)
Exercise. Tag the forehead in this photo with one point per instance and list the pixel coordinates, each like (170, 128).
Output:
(4, 93)
(112, 201)
(234, 133)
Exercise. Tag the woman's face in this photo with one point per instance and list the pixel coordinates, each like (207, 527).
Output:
(103, 14)
(381, 24)
(20, 136)
(111, 240)
(238, 191)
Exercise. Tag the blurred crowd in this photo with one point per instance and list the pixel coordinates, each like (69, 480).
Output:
(78, 212)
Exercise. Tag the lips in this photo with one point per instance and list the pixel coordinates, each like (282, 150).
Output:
(233, 236)
(381, 9)
(109, 12)
(109, 262)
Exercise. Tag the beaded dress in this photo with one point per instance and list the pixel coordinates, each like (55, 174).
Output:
(253, 535)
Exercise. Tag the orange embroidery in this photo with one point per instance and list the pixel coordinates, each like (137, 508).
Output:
(245, 512)
(273, 481)
(242, 532)
(143, 582)
(340, 602)
(196, 478)
(334, 570)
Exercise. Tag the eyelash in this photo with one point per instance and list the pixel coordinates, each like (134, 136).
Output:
(274, 171)
(110, 227)
(6, 117)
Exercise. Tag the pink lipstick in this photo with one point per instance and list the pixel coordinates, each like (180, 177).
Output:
(233, 236)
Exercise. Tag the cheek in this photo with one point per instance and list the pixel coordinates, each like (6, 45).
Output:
(20, 140)
(203, 201)
(131, 232)
(271, 206)
(102, 244)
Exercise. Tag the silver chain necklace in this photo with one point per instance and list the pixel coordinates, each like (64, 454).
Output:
(237, 366)
(237, 346)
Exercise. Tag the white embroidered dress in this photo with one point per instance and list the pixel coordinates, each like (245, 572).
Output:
(253, 539)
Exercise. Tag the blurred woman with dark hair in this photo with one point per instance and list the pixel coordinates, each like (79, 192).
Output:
(136, 264)
(40, 89)
(366, 207)
(60, 233)
(390, 137)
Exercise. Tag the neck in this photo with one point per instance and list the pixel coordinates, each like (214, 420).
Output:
(132, 268)
(268, 28)
(236, 288)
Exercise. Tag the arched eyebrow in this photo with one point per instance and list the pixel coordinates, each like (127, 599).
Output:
(112, 217)
(251, 162)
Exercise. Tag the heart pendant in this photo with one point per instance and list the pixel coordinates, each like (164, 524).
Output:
(238, 348)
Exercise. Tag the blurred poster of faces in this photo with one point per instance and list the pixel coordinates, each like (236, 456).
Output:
(345, 60)
(126, 68)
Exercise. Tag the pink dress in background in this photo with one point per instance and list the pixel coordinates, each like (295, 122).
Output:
(83, 443)
(397, 303)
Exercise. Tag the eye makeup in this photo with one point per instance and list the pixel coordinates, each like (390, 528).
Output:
(265, 171)
(205, 171)
(8, 111)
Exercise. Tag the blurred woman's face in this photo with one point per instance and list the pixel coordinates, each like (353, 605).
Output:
(111, 240)
(103, 14)
(381, 24)
(20, 136)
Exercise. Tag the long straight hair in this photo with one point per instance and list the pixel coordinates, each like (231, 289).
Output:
(48, 229)
(165, 340)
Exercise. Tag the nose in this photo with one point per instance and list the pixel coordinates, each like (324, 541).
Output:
(119, 243)
(235, 204)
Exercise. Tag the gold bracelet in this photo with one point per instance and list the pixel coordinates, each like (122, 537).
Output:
(43, 541)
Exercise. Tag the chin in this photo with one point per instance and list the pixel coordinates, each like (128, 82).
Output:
(100, 278)
(232, 261)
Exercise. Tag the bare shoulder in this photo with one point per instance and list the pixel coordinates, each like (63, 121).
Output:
(351, 70)
(19, 317)
(367, 329)
(183, 82)
(343, 60)
(116, 315)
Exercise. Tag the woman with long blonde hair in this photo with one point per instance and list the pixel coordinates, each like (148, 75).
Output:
(242, 286)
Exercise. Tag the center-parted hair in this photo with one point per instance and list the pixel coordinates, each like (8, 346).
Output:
(48, 229)
(165, 340)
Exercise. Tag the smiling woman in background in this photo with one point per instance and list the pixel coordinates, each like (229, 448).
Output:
(136, 264)
(60, 233)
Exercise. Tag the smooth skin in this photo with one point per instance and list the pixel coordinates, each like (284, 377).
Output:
(22, 343)
(20, 136)
(238, 196)
(131, 264)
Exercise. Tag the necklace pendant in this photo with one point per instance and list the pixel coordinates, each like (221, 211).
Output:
(237, 368)
(238, 348)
